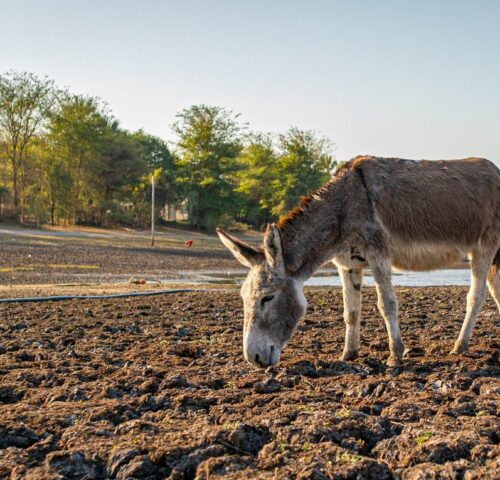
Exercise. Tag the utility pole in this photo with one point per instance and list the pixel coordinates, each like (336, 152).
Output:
(153, 209)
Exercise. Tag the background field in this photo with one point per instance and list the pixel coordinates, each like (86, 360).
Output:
(90, 260)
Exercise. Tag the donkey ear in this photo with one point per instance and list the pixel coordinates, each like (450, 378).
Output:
(244, 253)
(273, 247)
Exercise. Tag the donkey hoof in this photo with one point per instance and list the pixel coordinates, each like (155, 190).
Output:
(406, 352)
(394, 362)
(458, 349)
(348, 356)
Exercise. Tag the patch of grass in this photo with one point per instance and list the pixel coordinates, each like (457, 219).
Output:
(421, 439)
(343, 413)
(69, 265)
(30, 268)
(15, 269)
(208, 340)
(306, 447)
(360, 443)
(347, 457)
(323, 302)
(230, 425)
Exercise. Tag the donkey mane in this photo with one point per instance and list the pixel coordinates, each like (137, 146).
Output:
(291, 218)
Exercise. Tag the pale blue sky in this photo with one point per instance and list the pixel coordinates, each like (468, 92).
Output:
(417, 79)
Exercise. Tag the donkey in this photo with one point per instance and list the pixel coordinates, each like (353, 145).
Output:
(377, 213)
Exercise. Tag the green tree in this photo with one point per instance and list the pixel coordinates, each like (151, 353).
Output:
(121, 167)
(209, 142)
(59, 189)
(77, 134)
(259, 169)
(25, 103)
(158, 159)
(304, 164)
(35, 176)
(155, 151)
(4, 176)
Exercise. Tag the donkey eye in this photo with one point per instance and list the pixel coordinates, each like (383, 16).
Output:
(266, 299)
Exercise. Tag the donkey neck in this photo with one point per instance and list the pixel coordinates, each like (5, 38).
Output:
(311, 232)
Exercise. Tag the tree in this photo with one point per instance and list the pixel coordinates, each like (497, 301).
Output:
(154, 150)
(25, 102)
(209, 142)
(59, 188)
(77, 133)
(258, 170)
(158, 159)
(34, 180)
(305, 163)
(121, 167)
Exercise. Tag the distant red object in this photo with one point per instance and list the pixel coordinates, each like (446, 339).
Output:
(189, 243)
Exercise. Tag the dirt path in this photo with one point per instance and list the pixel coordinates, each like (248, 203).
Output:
(157, 388)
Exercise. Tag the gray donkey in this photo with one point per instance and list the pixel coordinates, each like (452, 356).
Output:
(376, 213)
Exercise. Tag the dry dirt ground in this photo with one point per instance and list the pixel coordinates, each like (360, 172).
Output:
(157, 388)
(102, 256)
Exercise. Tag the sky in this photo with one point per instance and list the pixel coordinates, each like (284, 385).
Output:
(411, 79)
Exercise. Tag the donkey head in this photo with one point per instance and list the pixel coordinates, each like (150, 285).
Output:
(273, 300)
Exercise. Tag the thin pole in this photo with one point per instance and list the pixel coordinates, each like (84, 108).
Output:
(153, 209)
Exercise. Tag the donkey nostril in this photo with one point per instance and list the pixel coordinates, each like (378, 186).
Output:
(257, 358)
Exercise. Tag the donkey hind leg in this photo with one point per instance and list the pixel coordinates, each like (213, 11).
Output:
(493, 281)
(480, 265)
(388, 306)
(351, 292)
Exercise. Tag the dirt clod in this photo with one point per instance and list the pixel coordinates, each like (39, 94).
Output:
(74, 465)
(139, 467)
(248, 439)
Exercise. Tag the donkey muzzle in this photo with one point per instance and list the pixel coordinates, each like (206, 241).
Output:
(262, 356)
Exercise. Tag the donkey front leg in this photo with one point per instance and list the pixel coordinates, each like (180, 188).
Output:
(351, 291)
(388, 306)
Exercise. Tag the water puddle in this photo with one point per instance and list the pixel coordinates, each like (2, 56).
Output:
(323, 278)
(453, 276)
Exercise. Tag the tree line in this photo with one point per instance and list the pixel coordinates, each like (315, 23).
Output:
(64, 159)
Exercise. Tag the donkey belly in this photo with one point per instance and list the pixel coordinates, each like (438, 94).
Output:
(425, 256)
